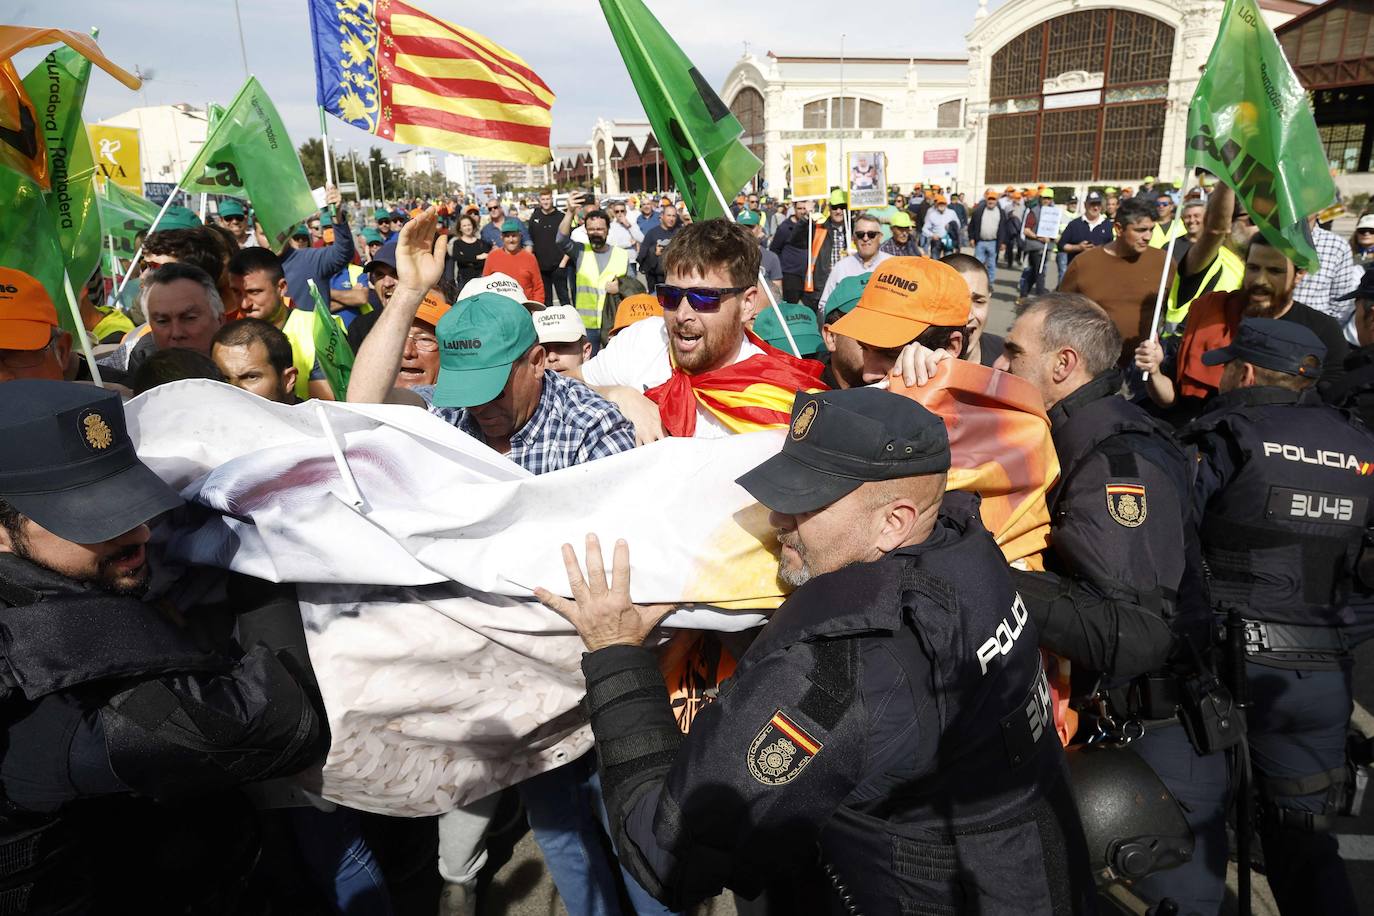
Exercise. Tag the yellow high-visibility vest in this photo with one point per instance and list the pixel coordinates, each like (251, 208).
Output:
(590, 293)
(1224, 274)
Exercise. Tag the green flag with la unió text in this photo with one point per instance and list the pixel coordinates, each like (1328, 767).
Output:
(688, 118)
(57, 86)
(332, 351)
(1250, 125)
(29, 243)
(123, 216)
(249, 154)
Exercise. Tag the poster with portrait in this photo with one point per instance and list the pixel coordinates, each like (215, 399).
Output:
(867, 180)
(810, 171)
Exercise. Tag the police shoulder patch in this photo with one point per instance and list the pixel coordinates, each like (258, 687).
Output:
(780, 751)
(1126, 504)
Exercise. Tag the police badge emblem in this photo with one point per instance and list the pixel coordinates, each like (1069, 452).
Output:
(1126, 504)
(802, 425)
(96, 431)
(780, 751)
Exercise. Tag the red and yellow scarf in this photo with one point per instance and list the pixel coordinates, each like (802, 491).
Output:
(753, 394)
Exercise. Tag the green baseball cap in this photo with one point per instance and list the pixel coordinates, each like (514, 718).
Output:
(230, 207)
(371, 235)
(846, 294)
(748, 218)
(300, 230)
(479, 340)
(801, 321)
(179, 218)
(510, 225)
(379, 214)
(900, 220)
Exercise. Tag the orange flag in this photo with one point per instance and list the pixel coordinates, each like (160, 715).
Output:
(22, 147)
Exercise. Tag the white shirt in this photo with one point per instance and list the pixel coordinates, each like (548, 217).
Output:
(637, 358)
(849, 266)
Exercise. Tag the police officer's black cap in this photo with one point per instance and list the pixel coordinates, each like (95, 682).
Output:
(1364, 291)
(67, 463)
(1271, 343)
(839, 440)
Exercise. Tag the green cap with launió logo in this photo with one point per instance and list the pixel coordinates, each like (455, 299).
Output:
(479, 340)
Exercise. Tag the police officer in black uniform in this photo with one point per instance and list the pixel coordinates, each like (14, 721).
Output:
(1123, 587)
(1285, 488)
(886, 742)
(112, 713)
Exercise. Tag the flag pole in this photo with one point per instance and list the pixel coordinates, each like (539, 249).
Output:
(324, 148)
(138, 255)
(768, 290)
(114, 263)
(81, 329)
(1164, 274)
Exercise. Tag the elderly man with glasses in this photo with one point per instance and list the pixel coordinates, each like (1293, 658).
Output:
(868, 236)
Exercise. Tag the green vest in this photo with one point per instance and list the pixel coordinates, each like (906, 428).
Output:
(591, 283)
(1224, 274)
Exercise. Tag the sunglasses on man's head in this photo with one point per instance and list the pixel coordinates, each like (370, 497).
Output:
(867, 235)
(700, 298)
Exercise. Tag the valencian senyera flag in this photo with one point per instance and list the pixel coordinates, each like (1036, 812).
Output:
(248, 153)
(395, 71)
(689, 119)
(1250, 125)
(442, 678)
(22, 119)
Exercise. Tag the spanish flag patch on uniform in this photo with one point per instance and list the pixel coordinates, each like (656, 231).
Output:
(780, 751)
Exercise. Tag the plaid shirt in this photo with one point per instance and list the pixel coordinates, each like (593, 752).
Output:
(572, 425)
(1339, 275)
(909, 250)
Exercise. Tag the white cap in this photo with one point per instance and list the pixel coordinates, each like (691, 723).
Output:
(559, 324)
(501, 284)
(1366, 222)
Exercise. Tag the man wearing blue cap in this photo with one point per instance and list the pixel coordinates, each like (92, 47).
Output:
(114, 712)
(1285, 486)
(880, 747)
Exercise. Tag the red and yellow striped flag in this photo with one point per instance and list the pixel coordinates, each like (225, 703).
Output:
(399, 73)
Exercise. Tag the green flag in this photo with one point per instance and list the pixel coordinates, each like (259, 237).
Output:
(1251, 126)
(58, 89)
(29, 243)
(332, 351)
(688, 118)
(248, 153)
(123, 215)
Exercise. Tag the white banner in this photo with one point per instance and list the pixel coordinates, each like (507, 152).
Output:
(443, 680)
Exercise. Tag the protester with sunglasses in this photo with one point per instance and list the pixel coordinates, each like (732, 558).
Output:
(1166, 227)
(695, 372)
(235, 219)
(492, 231)
(868, 237)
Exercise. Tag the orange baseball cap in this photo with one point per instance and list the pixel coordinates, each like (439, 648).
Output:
(990, 194)
(635, 308)
(1015, 195)
(27, 313)
(432, 308)
(903, 298)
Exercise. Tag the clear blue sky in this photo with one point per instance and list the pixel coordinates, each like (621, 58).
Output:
(192, 47)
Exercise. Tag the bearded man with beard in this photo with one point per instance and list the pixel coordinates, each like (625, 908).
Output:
(117, 711)
(1183, 383)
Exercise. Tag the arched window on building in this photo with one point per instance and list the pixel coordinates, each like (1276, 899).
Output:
(839, 114)
(747, 106)
(950, 114)
(1078, 98)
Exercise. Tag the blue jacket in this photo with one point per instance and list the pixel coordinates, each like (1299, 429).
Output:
(318, 264)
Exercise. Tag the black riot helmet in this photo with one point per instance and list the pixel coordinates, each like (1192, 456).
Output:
(1134, 827)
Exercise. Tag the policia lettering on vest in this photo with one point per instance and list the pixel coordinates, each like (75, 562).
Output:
(1284, 490)
(884, 744)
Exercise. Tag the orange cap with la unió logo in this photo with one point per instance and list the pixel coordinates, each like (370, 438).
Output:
(27, 313)
(903, 298)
